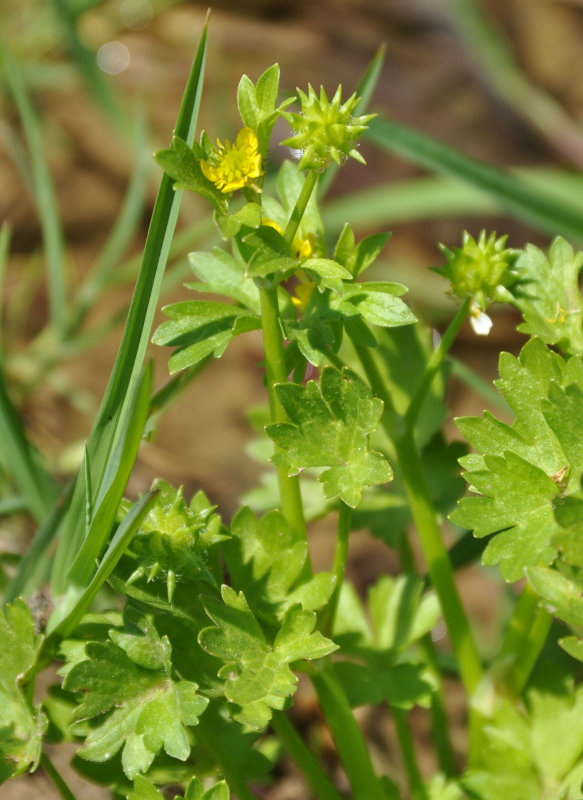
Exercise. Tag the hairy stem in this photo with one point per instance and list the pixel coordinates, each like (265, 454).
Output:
(350, 742)
(275, 370)
(525, 637)
(435, 362)
(408, 752)
(300, 207)
(439, 722)
(56, 778)
(303, 758)
(424, 516)
(339, 567)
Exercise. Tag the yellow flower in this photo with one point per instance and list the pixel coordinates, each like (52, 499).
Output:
(301, 248)
(233, 166)
(303, 293)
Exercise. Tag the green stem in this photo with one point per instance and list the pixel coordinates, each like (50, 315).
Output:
(435, 362)
(275, 370)
(525, 637)
(350, 743)
(303, 758)
(338, 568)
(424, 516)
(300, 206)
(56, 778)
(408, 752)
(439, 721)
(231, 772)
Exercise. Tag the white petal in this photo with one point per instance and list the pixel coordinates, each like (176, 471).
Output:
(481, 323)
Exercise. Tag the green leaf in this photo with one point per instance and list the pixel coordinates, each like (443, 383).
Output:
(144, 790)
(258, 105)
(256, 672)
(561, 596)
(378, 303)
(183, 166)
(548, 297)
(330, 427)
(220, 273)
(265, 558)
(272, 253)
(129, 680)
(366, 252)
(201, 328)
(400, 617)
(21, 726)
(525, 467)
(527, 756)
(247, 103)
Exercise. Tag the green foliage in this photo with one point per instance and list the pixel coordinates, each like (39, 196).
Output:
(267, 557)
(144, 790)
(383, 667)
(523, 470)
(129, 679)
(548, 297)
(258, 105)
(256, 671)
(182, 164)
(201, 328)
(527, 754)
(179, 689)
(330, 427)
(21, 725)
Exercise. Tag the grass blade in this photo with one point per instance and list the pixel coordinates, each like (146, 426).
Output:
(34, 568)
(123, 536)
(115, 406)
(21, 459)
(488, 48)
(4, 248)
(125, 226)
(365, 91)
(87, 62)
(543, 211)
(44, 194)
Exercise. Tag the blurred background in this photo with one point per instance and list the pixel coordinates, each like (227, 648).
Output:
(93, 88)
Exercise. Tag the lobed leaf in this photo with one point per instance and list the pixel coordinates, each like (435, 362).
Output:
(256, 672)
(129, 679)
(21, 725)
(265, 558)
(548, 296)
(329, 427)
(524, 468)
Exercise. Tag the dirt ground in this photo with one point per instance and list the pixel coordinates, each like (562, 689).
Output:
(429, 81)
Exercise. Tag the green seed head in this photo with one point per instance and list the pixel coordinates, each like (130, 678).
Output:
(481, 270)
(325, 130)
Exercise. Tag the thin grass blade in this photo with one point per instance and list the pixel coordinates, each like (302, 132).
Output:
(115, 406)
(365, 91)
(44, 194)
(86, 62)
(22, 460)
(34, 568)
(114, 552)
(125, 227)
(544, 212)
